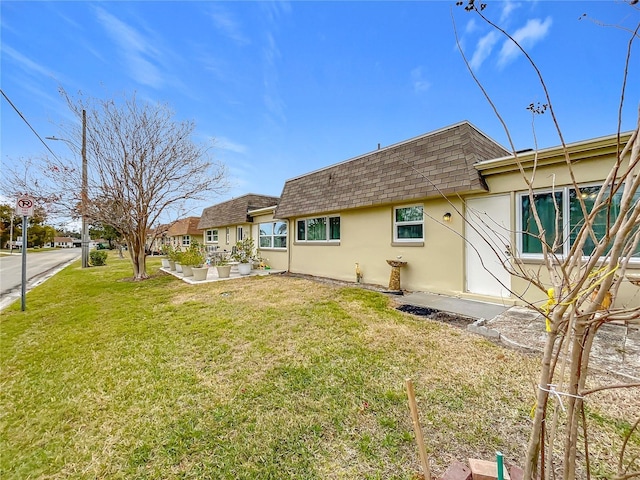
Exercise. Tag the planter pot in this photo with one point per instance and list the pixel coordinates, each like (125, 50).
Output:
(223, 271)
(187, 270)
(200, 273)
(244, 268)
(165, 263)
(172, 265)
(178, 267)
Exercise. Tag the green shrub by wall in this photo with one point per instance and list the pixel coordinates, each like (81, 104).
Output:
(98, 257)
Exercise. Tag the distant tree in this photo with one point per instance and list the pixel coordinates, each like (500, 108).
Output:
(39, 235)
(143, 165)
(106, 232)
(6, 216)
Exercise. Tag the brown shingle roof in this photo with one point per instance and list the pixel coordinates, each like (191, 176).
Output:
(234, 212)
(184, 226)
(422, 167)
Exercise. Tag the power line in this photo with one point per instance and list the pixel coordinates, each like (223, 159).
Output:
(28, 124)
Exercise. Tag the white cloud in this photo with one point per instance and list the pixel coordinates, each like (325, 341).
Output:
(27, 63)
(224, 143)
(273, 101)
(527, 36)
(227, 25)
(137, 50)
(420, 84)
(471, 26)
(508, 8)
(483, 49)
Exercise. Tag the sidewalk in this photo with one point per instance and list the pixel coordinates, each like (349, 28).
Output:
(459, 306)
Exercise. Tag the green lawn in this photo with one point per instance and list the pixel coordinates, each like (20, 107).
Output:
(262, 377)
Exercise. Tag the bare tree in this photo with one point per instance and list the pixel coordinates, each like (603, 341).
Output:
(143, 166)
(582, 286)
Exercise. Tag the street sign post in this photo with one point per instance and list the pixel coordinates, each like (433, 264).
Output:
(24, 207)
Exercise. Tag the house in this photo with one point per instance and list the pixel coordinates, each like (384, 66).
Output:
(388, 205)
(65, 242)
(184, 232)
(430, 201)
(250, 215)
(507, 205)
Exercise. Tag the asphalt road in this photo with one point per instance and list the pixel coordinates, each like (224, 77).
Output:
(39, 265)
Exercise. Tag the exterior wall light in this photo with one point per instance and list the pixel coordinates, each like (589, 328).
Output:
(446, 217)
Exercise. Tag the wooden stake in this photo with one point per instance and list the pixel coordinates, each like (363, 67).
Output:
(418, 431)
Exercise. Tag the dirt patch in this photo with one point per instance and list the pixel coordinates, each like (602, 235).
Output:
(433, 314)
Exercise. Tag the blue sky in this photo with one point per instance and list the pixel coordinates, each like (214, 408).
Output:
(287, 88)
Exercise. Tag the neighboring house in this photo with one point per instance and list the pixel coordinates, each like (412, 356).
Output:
(251, 216)
(65, 242)
(157, 239)
(409, 201)
(182, 233)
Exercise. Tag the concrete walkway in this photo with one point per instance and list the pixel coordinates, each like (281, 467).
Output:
(459, 306)
(616, 348)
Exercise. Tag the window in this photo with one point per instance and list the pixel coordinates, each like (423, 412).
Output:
(273, 235)
(320, 229)
(239, 234)
(408, 224)
(561, 218)
(212, 236)
(186, 240)
(228, 233)
(547, 205)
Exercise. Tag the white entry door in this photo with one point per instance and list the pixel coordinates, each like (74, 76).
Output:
(488, 235)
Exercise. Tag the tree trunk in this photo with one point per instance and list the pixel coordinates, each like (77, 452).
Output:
(573, 409)
(138, 260)
(533, 450)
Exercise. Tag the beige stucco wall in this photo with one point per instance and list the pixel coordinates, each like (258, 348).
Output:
(439, 265)
(587, 171)
(367, 239)
(176, 240)
(276, 258)
(222, 243)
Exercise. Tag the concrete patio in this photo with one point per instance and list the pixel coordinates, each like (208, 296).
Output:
(212, 275)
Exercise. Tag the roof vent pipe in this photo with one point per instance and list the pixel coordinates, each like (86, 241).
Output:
(378, 146)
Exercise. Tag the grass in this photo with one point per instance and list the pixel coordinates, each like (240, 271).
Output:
(258, 378)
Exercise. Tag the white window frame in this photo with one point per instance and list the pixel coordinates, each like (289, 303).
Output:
(327, 238)
(397, 224)
(228, 235)
(566, 221)
(186, 240)
(272, 236)
(212, 235)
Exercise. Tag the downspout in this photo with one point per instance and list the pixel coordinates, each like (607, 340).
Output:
(289, 246)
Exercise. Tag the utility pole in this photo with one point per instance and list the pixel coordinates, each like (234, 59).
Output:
(11, 236)
(85, 231)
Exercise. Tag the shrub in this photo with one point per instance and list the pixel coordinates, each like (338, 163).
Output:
(98, 257)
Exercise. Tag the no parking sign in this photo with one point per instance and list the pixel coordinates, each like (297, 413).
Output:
(24, 206)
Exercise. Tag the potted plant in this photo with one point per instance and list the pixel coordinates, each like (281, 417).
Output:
(222, 267)
(177, 256)
(193, 260)
(243, 254)
(173, 255)
(166, 259)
